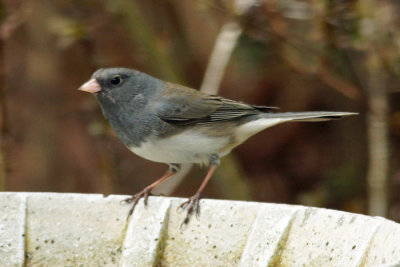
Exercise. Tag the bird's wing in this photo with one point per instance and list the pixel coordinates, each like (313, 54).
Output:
(182, 105)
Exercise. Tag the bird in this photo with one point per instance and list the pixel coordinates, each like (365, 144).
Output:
(174, 124)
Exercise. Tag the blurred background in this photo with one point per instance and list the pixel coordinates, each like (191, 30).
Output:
(294, 54)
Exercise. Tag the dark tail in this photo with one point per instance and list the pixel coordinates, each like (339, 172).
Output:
(312, 116)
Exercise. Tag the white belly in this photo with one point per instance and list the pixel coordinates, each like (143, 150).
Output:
(186, 147)
(197, 147)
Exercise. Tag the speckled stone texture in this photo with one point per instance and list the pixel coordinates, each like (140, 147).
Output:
(50, 229)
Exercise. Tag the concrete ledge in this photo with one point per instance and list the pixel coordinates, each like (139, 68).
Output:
(50, 229)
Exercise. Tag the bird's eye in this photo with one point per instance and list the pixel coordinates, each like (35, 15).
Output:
(115, 80)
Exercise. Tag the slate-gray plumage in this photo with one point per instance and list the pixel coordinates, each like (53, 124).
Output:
(174, 124)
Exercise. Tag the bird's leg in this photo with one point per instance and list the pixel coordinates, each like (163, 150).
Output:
(192, 204)
(173, 168)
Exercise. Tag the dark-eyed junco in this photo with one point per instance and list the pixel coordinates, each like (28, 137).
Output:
(174, 124)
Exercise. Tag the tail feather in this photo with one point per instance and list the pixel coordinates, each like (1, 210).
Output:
(268, 119)
(309, 116)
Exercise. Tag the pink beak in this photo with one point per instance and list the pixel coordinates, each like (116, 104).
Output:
(91, 86)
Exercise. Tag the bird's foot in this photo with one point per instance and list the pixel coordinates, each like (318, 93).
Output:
(193, 206)
(135, 199)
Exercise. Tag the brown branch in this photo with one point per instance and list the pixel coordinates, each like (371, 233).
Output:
(340, 85)
(279, 28)
(3, 122)
(324, 75)
(378, 138)
(223, 48)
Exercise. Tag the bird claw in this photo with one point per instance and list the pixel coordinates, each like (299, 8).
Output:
(135, 199)
(193, 206)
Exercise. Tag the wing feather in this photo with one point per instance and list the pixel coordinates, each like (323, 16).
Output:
(182, 105)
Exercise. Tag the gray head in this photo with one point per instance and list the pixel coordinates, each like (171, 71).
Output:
(120, 85)
(122, 94)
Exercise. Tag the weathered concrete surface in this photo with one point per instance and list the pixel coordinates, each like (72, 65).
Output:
(50, 229)
(12, 228)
